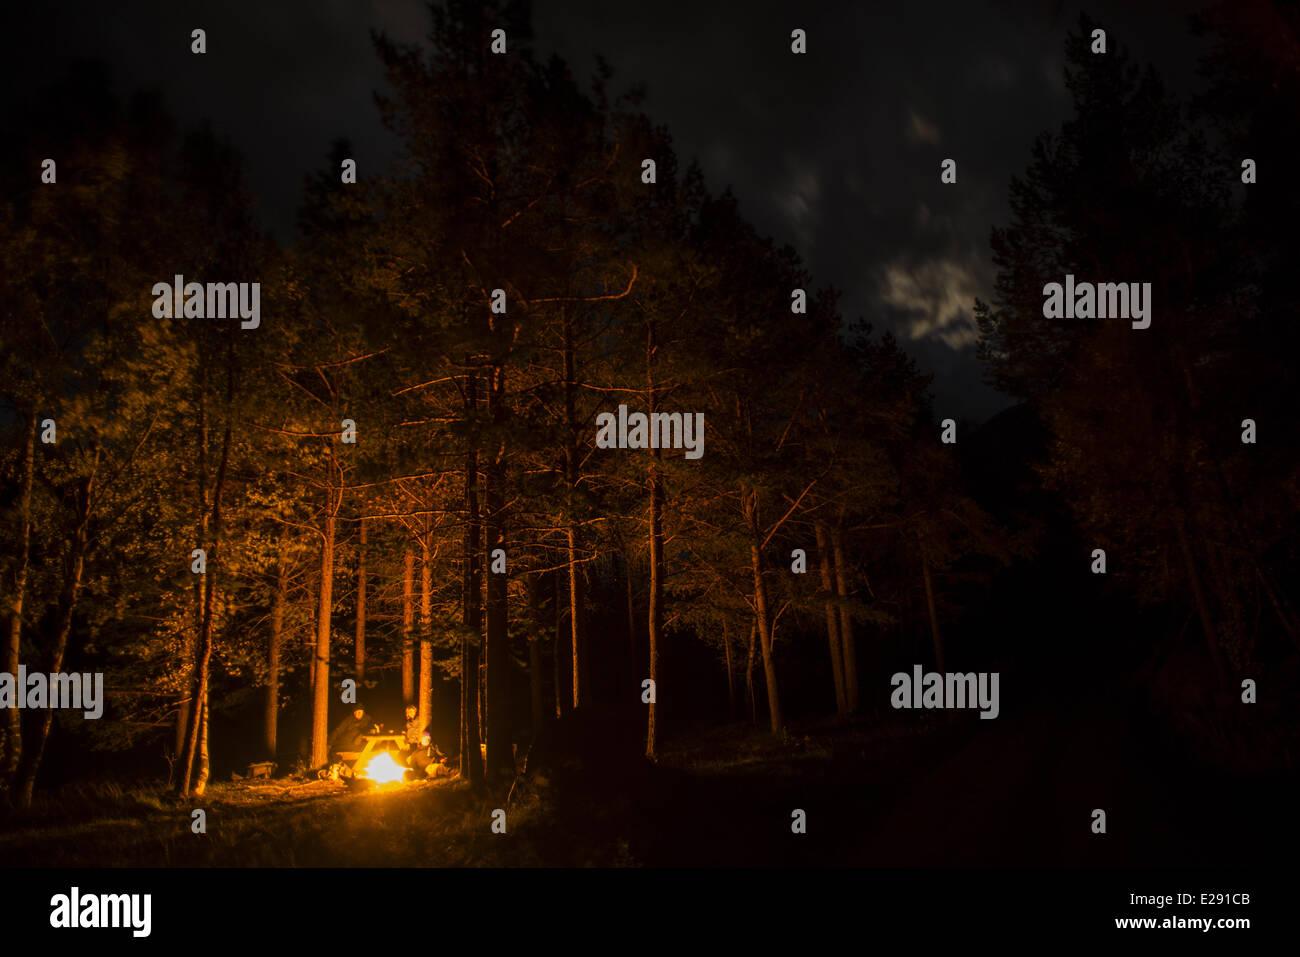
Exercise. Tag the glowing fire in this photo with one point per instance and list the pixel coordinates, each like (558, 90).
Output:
(382, 769)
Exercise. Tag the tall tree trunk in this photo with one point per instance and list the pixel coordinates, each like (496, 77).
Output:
(34, 746)
(273, 656)
(655, 599)
(848, 646)
(426, 629)
(13, 740)
(188, 707)
(929, 603)
(204, 770)
(777, 724)
(320, 712)
(655, 618)
(832, 618)
(359, 646)
(197, 740)
(577, 639)
(500, 754)
(577, 644)
(471, 763)
(500, 760)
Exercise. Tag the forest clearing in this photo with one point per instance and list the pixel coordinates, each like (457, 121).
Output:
(926, 791)
(510, 475)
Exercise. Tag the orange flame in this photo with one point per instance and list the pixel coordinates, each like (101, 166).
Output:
(382, 769)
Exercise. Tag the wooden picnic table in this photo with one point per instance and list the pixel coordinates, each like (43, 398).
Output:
(375, 743)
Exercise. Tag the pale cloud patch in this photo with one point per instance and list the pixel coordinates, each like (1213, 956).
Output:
(921, 130)
(798, 199)
(937, 297)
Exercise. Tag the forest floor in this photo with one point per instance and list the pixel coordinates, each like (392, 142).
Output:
(913, 792)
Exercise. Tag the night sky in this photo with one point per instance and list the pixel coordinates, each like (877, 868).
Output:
(836, 152)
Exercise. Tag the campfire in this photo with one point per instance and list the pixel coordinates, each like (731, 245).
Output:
(382, 769)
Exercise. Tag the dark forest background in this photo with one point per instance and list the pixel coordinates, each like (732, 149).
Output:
(475, 431)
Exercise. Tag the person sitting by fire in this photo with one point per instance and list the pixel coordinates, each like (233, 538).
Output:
(348, 734)
(427, 755)
(413, 729)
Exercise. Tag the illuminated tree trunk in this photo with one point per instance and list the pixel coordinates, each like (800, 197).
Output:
(471, 762)
(196, 743)
(13, 745)
(273, 656)
(34, 747)
(187, 708)
(656, 610)
(321, 693)
(832, 618)
(408, 629)
(848, 649)
(201, 778)
(209, 610)
(577, 644)
(359, 645)
(763, 620)
(577, 638)
(500, 760)
(498, 677)
(656, 597)
(426, 630)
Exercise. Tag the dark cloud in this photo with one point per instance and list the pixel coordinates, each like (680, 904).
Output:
(836, 152)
